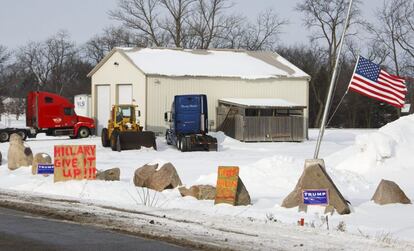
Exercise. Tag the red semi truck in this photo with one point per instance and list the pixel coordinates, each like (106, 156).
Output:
(51, 114)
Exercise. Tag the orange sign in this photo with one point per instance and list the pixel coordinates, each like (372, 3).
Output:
(74, 162)
(227, 181)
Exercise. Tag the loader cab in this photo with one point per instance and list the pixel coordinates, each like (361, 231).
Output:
(125, 114)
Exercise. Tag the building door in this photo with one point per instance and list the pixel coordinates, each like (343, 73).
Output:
(124, 94)
(103, 106)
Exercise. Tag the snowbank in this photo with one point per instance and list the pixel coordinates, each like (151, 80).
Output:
(356, 160)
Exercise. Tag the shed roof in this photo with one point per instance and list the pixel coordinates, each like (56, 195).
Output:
(209, 63)
(260, 103)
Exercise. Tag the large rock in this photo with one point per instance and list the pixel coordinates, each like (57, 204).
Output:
(165, 178)
(109, 175)
(389, 192)
(18, 155)
(242, 195)
(142, 175)
(200, 192)
(40, 158)
(314, 176)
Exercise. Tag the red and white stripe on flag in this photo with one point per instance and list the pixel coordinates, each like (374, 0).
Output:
(369, 80)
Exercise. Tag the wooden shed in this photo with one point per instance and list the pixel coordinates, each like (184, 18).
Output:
(266, 120)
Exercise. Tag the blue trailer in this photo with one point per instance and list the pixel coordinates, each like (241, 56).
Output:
(188, 121)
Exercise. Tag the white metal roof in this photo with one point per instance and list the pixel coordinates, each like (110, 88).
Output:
(260, 102)
(212, 63)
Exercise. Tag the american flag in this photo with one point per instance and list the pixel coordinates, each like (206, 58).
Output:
(369, 80)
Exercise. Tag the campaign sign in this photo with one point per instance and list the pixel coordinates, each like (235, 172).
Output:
(315, 197)
(227, 182)
(45, 168)
(75, 162)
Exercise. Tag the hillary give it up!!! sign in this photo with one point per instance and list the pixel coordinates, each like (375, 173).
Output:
(74, 162)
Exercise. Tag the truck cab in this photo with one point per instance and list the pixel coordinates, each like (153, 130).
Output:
(55, 115)
(188, 124)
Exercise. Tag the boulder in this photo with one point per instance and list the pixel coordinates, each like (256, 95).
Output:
(165, 178)
(242, 195)
(200, 192)
(18, 155)
(40, 158)
(109, 175)
(389, 192)
(314, 176)
(142, 175)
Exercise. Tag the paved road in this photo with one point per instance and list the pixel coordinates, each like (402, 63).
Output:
(22, 231)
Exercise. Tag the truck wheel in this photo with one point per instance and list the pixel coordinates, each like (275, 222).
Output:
(188, 143)
(184, 143)
(4, 136)
(105, 138)
(179, 143)
(83, 132)
(167, 138)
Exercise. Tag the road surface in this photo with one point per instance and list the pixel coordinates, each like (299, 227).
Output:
(22, 231)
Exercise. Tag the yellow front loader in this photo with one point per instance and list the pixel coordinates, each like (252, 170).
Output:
(124, 131)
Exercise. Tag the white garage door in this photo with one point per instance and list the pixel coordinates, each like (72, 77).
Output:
(103, 106)
(124, 94)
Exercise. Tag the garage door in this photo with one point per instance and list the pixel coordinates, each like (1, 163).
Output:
(124, 94)
(103, 106)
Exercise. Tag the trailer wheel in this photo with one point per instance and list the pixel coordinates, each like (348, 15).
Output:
(22, 134)
(105, 138)
(4, 136)
(83, 132)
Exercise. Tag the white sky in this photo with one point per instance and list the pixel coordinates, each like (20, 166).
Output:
(24, 20)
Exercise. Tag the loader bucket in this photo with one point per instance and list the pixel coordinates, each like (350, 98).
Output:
(134, 140)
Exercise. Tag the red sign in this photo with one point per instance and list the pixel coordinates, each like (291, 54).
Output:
(74, 162)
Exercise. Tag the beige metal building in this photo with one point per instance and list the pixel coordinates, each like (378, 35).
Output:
(150, 77)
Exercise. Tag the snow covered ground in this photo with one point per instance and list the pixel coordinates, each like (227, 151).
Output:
(355, 159)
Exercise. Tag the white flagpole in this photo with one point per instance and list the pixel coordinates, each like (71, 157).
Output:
(328, 99)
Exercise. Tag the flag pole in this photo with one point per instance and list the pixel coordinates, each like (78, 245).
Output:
(328, 99)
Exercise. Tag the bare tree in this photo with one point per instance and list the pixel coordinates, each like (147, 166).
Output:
(49, 61)
(197, 24)
(60, 53)
(327, 19)
(32, 59)
(15, 106)
(405, 31)
(386, 32)
(99, 45)
(175, 23)
(207, 21)
(264, 33)
(142, 16)
(4, 55)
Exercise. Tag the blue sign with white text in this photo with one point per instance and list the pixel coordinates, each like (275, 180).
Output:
(45, 169)
(315, 197)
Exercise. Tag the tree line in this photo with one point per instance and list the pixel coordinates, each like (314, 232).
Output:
(59, 65)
